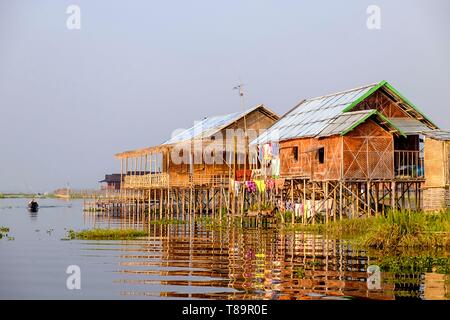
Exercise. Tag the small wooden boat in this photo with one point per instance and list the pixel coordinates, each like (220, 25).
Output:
(33, 206)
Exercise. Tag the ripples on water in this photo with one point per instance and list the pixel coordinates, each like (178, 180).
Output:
(195, 261)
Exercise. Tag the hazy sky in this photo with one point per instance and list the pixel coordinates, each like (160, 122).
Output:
(137, 70)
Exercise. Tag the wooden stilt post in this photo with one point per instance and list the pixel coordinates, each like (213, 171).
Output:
(341, 207)
(393, 196)
(161, 200)
(327, 212)
(305, 217)
(334, 203)
(292, 203)
(369, 211)
(314, 203)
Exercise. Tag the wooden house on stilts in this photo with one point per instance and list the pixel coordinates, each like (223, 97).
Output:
(191, 172)
(349, 154)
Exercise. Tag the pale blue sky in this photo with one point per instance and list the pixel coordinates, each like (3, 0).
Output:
(137, 70)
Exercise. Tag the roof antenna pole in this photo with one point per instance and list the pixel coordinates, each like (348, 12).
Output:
(241, 95)
(240, 87)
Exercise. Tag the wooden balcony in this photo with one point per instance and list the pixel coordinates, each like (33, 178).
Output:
(161, 180)
(156, 180)
(408, 165)
(199, 179)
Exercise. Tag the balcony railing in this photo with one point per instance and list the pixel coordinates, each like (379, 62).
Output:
(161, 180)
(408, 164)
(199, 179)
(157, 180)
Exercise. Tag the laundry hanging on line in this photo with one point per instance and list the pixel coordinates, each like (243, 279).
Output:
(275, 167)
(261, 185)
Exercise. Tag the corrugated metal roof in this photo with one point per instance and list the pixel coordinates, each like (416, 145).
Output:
(311, 116)
(345, 121)
(205, 128)
(438, 135)
(209, 126)
(409, 125)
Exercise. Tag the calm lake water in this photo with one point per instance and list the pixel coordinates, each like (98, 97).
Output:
(189, 261)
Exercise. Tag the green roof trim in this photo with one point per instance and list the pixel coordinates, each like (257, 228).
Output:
(386, 84)
(365, 96)
(343, 133)
(395, 91)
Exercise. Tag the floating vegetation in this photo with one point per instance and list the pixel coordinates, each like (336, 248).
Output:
(106, 234)
(409, 229)
(4, 233)
(413, 265)
(400, 229)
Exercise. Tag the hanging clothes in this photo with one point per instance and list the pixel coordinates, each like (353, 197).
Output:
(236, 186)
(251, 186)
(232, 185)
(260, 153)
(297, 210)
(270, 184)
(275, 149)
(307, 208)
(261, 185)
(275, 167)
(267, 151)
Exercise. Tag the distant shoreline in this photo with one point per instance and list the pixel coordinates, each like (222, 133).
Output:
(37, 196)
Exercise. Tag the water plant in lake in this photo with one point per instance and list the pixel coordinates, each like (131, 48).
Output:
(107, 234)
(414, 265)
(4, 233)
(409, 229)
(398, 229)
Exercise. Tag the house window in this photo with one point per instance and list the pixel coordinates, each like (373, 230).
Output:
(295, 153)
(321, 155)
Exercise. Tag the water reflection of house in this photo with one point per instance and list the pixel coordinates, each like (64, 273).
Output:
(194, 262)
(436, 286)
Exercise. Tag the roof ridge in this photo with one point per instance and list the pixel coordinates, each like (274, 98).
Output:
(356, 112)
(342, 92)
